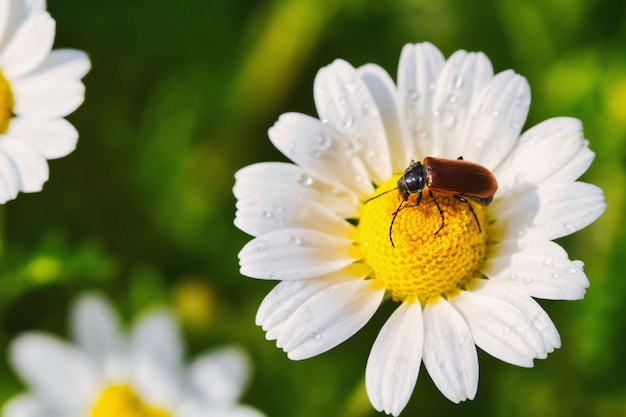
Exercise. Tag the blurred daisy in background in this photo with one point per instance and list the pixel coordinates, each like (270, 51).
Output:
(319, 231)
(107, 374)
(38, 87)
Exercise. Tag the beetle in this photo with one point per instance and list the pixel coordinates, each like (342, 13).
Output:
(457, 177)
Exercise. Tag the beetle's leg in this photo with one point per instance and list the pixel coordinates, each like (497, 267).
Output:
(463, 199)
(432, 197)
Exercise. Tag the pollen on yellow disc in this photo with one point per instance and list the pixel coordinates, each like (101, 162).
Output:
(6, 104)
(422, 266)
(123, 401)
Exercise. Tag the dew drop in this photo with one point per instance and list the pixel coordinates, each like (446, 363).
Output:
(294, 240)
(570, 270)
(555, 276)
(412, 96)
(479, 144)
(506, 330)
(569, 227)
(436, 113)
(458, 81)
(348, 123)
(317, 154)
(323, 141)
(512, 277)
(548, 262)
(432, 86)
(452, 99)
(523, 100)
(316, 337)
(527, 280)
(305, 180)
(370, 110)
(266, 214)
(495, 113)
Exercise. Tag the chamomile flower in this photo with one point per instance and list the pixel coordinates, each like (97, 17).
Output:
(38, 87)
(323, 225)
(107, 374)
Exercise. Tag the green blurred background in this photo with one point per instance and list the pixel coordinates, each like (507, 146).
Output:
(181, 95)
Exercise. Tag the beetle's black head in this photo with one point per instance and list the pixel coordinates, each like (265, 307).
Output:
(413, 181)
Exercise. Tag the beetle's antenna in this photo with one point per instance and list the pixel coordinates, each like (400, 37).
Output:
(381, 194)
(393, 219)
(432, 197)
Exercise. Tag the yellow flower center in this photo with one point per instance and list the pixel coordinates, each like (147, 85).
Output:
(123, 401)
(422, 266)
(6, 104)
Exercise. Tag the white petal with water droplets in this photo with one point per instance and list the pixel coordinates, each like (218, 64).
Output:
(418, 70)
(262, 213)
(288, 296)
(383, 92)
(550, 212)
(346, 105)
(328, 318)
(500, 328)
(28, 47)
(539, 318)
(540, 152)
(321, 152)
(539, 268)
(294, 254)
(395, 358)
(462, 79)
(449, 352)
(293, 181)
(496, 118)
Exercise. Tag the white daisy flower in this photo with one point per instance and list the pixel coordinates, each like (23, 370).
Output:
(106, 374)
(463, 272)
(38, 87)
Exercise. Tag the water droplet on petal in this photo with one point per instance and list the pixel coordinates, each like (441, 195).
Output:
(569, 227)
(348, 123)
(555, 276)
(570, 270)
(495, 113)
(323, 141)
(452, 99)
(512, 277)
(479, 144)
(527, 280)
(266, 214)
(548, 262)
(293, 240)
(523, 100)
(370, 110)
(506, 330)
(457, 82)
(432, 86)
(305, 180)
(316, 337)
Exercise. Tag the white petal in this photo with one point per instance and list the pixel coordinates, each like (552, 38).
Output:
(156, 338)
(29, 46)
(9, 177)
(418, 70)
(95, 326)
(5, 9)
(462, 78)
(539, 268)
(57, 371)
(63, 63)
(344, 102)
(546, 147)
(328, 318)
(496, 118)
(294, 254)
(31, 167)
(288, 296)
(500, 328)
(44, 97)
(266, 212)
(576, 166)
(383, 92)
(52, 138)
(221, 375)
(550, 212)
(449, 352)
(31, 406)
(395, 358)
(293, 181)
(539, 318)
(321, 152)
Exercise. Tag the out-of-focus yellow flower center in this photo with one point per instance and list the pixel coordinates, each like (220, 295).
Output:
(6, 104)
(123, 401)
(422, 266)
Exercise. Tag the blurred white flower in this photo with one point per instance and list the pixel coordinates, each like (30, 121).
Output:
(107, 374)
(322, 226)
(38, 87)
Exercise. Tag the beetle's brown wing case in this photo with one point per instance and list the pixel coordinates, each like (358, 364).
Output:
(459, 177)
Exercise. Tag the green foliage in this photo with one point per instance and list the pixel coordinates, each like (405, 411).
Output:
(181, 95)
